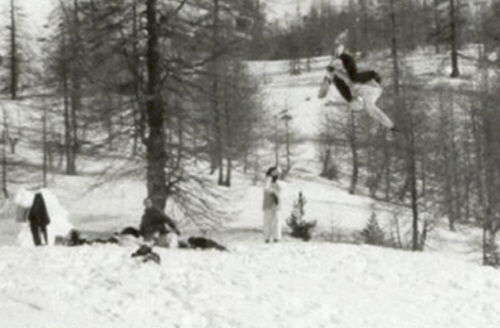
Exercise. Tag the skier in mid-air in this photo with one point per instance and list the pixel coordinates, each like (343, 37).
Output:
(355, 86)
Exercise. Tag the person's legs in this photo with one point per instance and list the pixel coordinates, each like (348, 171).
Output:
(43, 229)
(267, 225)
(172, 240)
(35, 232)
(276, 226)
(370, 95)
(162, 240)
(357, 102)
(148, 236)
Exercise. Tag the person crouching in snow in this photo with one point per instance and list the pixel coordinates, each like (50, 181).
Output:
(156, 227)
(271, 206)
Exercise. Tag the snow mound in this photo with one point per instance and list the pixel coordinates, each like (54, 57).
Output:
(283, 285)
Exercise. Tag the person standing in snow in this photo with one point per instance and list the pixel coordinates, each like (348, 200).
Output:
(39, 220)
(271, 206)
(354, 86)
(42, 217)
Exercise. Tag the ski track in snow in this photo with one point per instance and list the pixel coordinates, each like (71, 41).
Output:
(284, 285)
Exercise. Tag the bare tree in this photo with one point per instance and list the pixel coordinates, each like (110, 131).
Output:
(353, 143)
(455, 72)
(156, 155)
(14, 59)
(286, 118)
(5, 124)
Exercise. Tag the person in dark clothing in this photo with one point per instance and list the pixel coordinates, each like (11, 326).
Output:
(131, 231)
(155, 221)
(146, 253)
(351, 69)
(355, 86)
(366, 85)
(39, 220)
(205, 243)
(332, 77)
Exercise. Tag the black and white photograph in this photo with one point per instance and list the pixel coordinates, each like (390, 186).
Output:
(249, 163)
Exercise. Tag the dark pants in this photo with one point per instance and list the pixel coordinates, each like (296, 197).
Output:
(37, 231)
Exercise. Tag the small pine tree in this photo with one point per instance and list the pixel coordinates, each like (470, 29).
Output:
(491, 255)
(372, 233)
(300, 227)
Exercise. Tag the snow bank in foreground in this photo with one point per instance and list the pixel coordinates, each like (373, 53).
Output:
(284, 285)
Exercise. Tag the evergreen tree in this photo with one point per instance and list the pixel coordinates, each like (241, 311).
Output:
(372, 233)
(300, 227)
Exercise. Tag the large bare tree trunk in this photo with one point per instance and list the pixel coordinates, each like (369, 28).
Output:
(155, 144)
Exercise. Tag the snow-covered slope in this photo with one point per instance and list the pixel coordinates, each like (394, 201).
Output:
(291, 284)
(255, 285)
(118, 203)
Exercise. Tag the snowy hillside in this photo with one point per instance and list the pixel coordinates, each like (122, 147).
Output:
(255, 285)
(291, 284)
(118, 203)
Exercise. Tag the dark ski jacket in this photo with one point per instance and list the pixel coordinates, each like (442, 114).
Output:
(38, 213)
(352, 71)
(39, 220)
(205, 243)
(154, 221)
